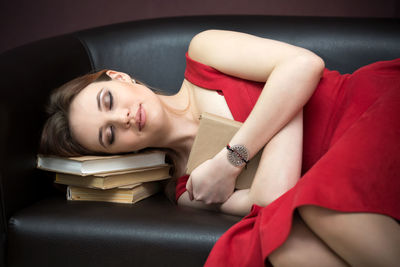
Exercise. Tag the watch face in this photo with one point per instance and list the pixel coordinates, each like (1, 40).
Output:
(237, 155)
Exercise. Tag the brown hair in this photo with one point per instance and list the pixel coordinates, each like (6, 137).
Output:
(56, 135)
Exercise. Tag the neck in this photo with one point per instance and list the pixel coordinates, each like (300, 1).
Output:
(183, 118)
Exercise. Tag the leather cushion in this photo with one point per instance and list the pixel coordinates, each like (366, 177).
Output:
(56, 232)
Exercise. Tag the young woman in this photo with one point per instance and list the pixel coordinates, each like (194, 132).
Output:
(344, 208)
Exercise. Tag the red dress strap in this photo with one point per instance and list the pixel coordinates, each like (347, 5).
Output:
(240, 94)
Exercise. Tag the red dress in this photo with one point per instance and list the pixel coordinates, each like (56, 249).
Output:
(351, 154)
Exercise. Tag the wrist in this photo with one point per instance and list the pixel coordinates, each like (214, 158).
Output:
(238, 155)
(222, 158)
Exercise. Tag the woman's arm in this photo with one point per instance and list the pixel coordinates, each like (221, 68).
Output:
(291, 74)
(278, 171)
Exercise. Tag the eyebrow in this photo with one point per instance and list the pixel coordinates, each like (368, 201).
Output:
(101, 137)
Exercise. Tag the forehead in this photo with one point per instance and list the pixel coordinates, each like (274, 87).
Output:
(89, 90)
(84, 117)
(85, 103)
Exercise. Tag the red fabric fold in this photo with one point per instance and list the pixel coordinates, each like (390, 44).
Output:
(351, 154)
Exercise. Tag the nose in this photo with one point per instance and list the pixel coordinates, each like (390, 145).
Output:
(122, 118)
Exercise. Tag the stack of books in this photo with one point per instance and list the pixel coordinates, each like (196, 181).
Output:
(126, 178)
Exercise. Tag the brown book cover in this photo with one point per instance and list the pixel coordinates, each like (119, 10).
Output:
(117, 179)
(89, 165)
(118, 195)
(215, 133)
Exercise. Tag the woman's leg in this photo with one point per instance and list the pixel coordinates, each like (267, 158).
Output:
(304, 248)
(361, 239)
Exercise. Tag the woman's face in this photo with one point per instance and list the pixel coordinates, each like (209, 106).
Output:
(116, 116)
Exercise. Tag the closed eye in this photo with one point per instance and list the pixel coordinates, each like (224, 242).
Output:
(105, 100)
(108, 100)
(110, 135)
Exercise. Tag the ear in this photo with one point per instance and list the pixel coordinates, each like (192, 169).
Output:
(119, 76)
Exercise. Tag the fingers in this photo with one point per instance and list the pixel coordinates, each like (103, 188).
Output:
(189, 188)
(206, 197)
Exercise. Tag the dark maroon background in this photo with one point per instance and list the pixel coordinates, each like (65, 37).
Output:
(24, 21)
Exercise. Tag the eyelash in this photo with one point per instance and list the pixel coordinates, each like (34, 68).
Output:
(112, 137)
(110, 105)
(110, 97)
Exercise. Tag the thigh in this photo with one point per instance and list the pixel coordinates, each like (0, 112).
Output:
(304, 248)
(361, 239)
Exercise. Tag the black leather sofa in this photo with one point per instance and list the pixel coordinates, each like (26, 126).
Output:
(40, 228)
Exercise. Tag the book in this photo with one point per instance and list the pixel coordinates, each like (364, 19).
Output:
(130, 195)
(116, 179)
(214, 133)
(89, 165)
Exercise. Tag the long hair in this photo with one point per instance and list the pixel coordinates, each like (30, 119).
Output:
(56, 136)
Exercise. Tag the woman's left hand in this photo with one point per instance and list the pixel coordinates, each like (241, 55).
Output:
(214, 180)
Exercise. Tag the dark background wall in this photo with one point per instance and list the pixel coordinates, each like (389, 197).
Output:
(24, 21)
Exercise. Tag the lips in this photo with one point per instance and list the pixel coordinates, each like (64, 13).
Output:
(140, 118)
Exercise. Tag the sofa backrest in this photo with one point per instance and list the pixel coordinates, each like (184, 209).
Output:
(152, 51)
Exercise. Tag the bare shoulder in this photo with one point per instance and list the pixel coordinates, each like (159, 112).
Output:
(244, 55)
(202, 44)
(205, 46)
